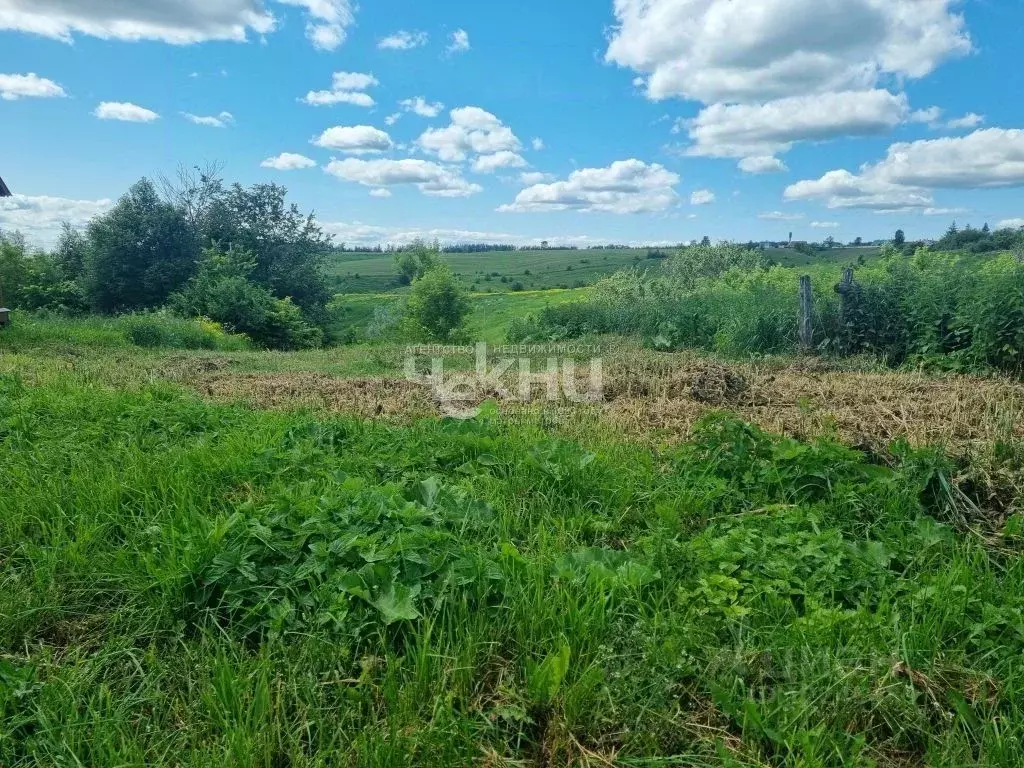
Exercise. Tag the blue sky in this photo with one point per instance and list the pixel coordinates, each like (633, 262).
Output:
(655, 120)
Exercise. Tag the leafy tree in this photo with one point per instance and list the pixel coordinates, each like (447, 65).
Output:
(222, 291)
(289, 248)
(70, 253)
(139, 252)
(415, 260)
(438, 305)
(830, 242)
(900, 239)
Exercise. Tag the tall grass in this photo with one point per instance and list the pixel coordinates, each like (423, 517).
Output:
(952, 310)
(188, 584)
(155, 330)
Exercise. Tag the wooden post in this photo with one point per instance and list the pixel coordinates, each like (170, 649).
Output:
(806, 308)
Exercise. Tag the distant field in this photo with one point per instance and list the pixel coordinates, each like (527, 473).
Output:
(375, 273)
(539, 270)
(492, 313)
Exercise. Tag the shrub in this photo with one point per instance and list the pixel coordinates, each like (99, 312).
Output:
(438, 305)
(160, 331)
(222, 291)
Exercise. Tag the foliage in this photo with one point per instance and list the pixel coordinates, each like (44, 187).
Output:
(414, 261)
(139, 253)
(438, 305)
(223, 291)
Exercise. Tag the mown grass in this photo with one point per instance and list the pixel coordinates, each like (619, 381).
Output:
(187, 584)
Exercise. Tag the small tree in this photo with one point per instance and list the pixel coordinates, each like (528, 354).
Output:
(416, 260)
(900, 239)
(438, 305)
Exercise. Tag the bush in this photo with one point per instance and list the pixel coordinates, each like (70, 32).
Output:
(438, 306)
(160, 331)
(222, 291)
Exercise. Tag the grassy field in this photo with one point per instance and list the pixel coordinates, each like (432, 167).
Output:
(375, 273)
(266, 559)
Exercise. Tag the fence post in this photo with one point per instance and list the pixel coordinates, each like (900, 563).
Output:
(806, 308)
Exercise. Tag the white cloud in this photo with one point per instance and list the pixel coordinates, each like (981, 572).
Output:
(459, 41)
(381, 192)
(491, 163)
(354, 139)
(760, 130)
(530, 178)
(537, 144)
(721, 50)
(403, 41)
(472, 131)
(30, 86)
(931, 116)
(702, 197)
(1011, 224)
(626, 186)
(223, 120)
(126, 111)
(780, 216)
(346, 88)
(825, 224)
(288, 161)
(420, 106)
(393, 118)
(970, 120)
(944, 211)
(988, 158)
(179, 23)
(762, 164)
(430, 178)
(39, 218)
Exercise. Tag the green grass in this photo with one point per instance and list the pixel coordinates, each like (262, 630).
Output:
(158, 331)
(189, 584)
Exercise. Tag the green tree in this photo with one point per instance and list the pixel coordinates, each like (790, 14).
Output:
(415, 260)
(900, 239)
(70, 253)
(289, 248)
(139, 252)
(438, 305)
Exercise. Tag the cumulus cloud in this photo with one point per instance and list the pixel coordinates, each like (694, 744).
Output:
(420, 106)
(381, 192)
(430, 178)
(1011, 224)
(780, 216)
(970, 120)
(458, 41)
(626, 186)
(537, 144)
(726, 51)
(492, 163)
(702, 197)
(346, 88)
(473, 131)
(30, 86)
(988, 158)
(759, 164)
(180, 22)
(825, 224)
(354, 139)
(529, 178)
(126, 111)
(223, 120)
(762, 130)
(39, 218)
(403, 41)
(288, 161)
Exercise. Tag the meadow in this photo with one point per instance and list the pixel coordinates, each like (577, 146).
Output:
(738, 554)
(354, 273)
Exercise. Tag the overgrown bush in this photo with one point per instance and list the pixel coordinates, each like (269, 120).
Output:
(438, 306)
(223, 292)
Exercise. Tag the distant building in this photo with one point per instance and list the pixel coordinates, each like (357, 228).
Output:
(4, 191)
